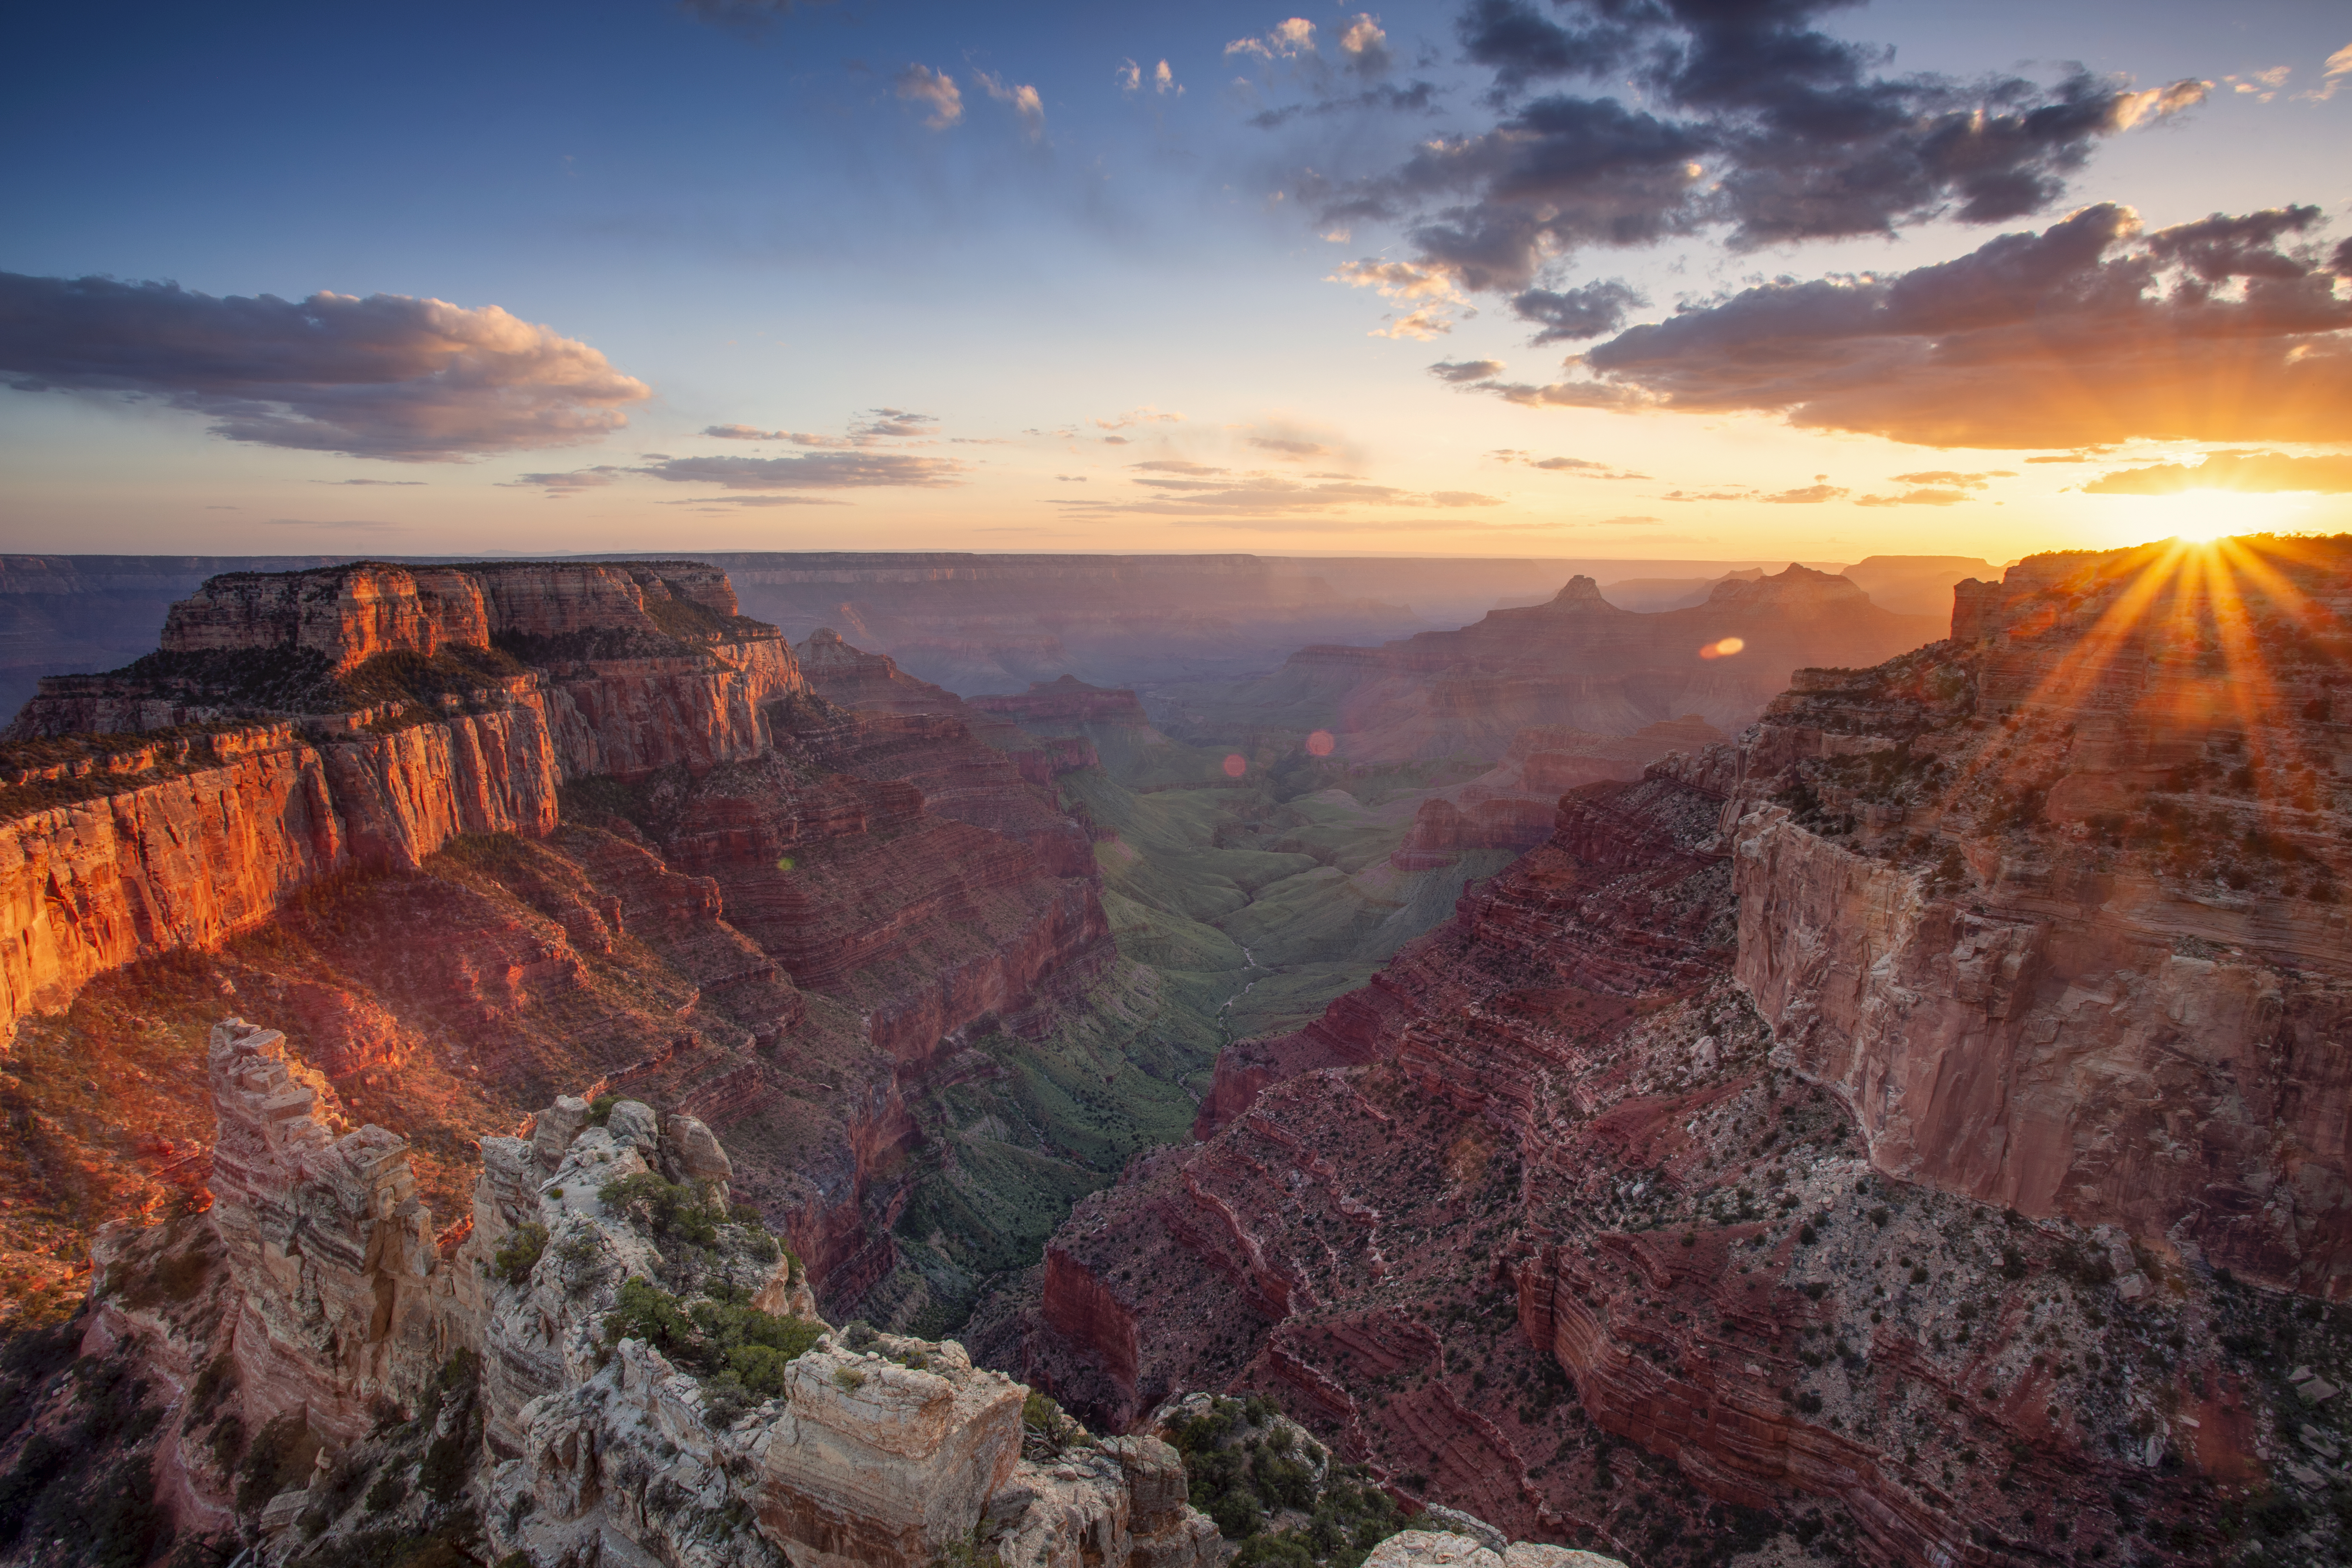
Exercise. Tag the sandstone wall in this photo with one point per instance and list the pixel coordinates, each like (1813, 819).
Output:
(2084, 1061)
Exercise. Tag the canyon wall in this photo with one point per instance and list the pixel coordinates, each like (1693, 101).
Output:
(2062, 923)
(116, 849)
(1952, 1068)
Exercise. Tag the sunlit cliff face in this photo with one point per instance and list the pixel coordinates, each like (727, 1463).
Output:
(2222, 614)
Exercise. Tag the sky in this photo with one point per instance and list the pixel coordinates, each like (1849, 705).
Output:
(1653, 278)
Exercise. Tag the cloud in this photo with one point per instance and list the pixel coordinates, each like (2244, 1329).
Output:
(1415, 98)
(1744, 118)
(1585, 312)
(1708, 494)
(1398, 279)
(1023, 100)
(1165, 80)
(870, 428)
(817, 471)
(1915, 497)
(2334, 74)
(385, 376)
(2084, 334)
(1947, 477)
(1147, 415)
(935, 91)
(1364, 47)
(1178, 488)
(384, 483)
(797, 438)
(558, 485)
(1298, 443)
(1810, 494)
(2248, 472)
(880, 422)
(1462, 371)
(1582, 467)
(1286, 41)
(362, 524)
(712, 502)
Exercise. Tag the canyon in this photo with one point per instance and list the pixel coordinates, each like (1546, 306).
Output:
(1911, 1133)
(1575, 660)
(1908, 1127)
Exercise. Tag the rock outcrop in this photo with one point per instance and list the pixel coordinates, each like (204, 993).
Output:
(608, 1367)
(172, 807)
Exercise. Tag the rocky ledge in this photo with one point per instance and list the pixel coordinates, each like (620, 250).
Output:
(607, 1364)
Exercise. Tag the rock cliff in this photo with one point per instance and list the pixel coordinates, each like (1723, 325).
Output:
(611, 1365)
(1888, 1136)
(645, 850)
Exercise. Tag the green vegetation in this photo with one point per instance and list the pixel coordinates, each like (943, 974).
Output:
(1237, 908)
(520, 1254)
(1243, 1464)
(738, 1352)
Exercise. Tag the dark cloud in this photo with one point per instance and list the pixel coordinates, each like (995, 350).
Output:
(1589, 312)
(2258, 471)
(2221, 248)
(1750, 121)
(816, 471)
(1415, 98)
(386, 376)
(2083, 335)
(1467, 370)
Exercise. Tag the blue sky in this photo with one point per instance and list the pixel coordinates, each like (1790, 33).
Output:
(770, 219)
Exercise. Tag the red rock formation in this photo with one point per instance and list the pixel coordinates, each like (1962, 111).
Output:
(1610, 1102)
(349, 614)
(2062, 923)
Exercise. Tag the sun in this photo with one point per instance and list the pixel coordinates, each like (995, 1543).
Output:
(2204, 529)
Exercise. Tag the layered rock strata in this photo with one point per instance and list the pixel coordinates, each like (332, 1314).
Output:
(116, 848)
(1871, 1129)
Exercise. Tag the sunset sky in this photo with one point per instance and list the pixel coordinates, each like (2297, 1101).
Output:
(1641, 279)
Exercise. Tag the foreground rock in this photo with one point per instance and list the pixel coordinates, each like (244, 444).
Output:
(611, 1366)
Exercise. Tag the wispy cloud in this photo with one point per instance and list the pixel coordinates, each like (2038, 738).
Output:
(934, 93)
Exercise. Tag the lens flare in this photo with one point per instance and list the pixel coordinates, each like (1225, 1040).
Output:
(1722, 648)
(1235, 764)
(1320, 743)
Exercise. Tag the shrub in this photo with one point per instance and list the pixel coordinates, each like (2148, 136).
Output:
(723, 1341)
(665, 1207)
(524, 1246)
